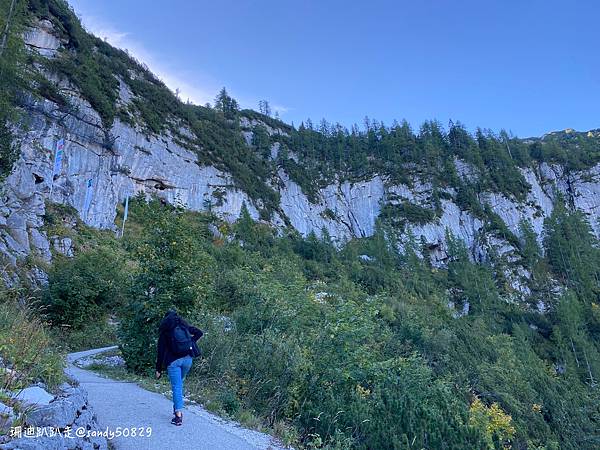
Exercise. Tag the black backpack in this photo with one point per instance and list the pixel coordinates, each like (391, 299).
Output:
(181, 341)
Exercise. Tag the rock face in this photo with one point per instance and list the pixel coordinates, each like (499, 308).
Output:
(7, 415)
(101, 167)
(62, 423)
(41, 38)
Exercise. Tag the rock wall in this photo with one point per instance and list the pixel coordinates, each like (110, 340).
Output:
(125, 161)
(64, 421)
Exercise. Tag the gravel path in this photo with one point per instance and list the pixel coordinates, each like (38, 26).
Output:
(126, 405)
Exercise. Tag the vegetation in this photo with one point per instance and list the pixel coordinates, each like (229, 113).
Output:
(313, 156)
(359, 347)
(88, 286)
(26, 346)
(407, 211)
(338, 351)
(12, 79)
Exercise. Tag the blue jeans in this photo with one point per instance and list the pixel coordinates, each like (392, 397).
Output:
(177, 371)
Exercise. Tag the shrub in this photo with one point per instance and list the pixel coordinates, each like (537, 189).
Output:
(174, 272)
(407, 211)
(25, 347)
(84, 288)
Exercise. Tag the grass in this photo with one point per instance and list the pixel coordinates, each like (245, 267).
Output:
(26, 348)
(94, 335)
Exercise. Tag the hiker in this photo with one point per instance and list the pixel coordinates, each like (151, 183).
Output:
(176, 348)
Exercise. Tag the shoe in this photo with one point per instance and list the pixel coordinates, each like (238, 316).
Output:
(177, 420)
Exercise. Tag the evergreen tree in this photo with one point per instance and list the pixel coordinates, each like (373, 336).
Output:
(572, 250)
(264, 107)
(227, 105)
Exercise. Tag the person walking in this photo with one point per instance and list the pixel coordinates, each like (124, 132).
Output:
(176, 348)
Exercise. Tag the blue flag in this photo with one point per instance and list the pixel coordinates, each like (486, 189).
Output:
(88, 196)
(58, 155)
(126, 208)
(125, 214)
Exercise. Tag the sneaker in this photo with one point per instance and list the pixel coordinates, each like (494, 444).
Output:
(177, 420)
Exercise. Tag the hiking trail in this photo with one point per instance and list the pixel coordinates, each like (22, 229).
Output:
(125, 404)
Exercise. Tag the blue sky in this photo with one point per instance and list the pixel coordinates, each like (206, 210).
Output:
(528, 66)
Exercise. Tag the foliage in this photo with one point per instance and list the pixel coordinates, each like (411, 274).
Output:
(25, 346)
(88, 286)
(226, 105)
(407, 211)
(495, 422)
(173, 273)
(12, 76)
(364, 352)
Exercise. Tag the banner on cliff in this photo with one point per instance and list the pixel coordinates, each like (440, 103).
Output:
(89, 191)
(125, 214)
(58, 156)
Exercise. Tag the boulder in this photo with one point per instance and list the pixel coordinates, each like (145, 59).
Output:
(87, 420)
(7, 416)
(63, 245)
(61, 412)
(55, 442)
(34, 395)
(68, 409)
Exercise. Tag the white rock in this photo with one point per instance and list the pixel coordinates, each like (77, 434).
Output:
(34, 395)
(41, 38)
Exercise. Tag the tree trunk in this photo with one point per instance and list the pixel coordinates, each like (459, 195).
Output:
(7, 27)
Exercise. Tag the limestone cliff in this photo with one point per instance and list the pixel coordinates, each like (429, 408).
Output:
(126, 159)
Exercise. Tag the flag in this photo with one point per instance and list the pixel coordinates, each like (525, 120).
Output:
(88, 196)
(58, 155)
(126, 208)
(125, 214)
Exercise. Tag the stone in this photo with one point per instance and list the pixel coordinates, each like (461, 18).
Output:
(69, 409)
(214, 231)
(40, 243)
(34, 395)
(42, 39)
(55, 442)
(60, 413)
(63, 246)
(65, 387)
(87, 420)
(7, 415)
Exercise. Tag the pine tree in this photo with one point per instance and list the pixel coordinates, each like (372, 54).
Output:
(264, 107)
(227, 105)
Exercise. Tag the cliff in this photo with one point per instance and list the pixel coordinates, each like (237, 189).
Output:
(123, 157)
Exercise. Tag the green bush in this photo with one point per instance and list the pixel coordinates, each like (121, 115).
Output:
(84, 288)
(407, 211)
(26, 347)
(174, 272)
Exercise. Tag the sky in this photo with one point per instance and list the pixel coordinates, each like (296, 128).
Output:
(526, 66)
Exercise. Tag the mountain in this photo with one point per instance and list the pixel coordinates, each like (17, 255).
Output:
(125, 133)
(377, 287)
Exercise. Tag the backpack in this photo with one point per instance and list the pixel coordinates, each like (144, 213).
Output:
(181, 340)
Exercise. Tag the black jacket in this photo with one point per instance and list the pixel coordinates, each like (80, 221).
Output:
(164, 354)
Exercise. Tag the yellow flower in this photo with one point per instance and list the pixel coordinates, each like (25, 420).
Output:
(363, 392)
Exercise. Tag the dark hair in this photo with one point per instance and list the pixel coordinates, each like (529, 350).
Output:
(169, 312)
